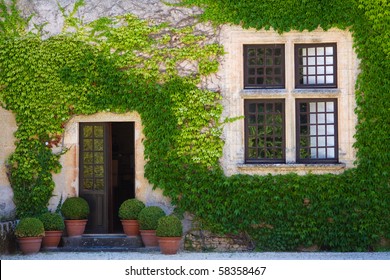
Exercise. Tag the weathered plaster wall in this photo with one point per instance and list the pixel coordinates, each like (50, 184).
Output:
(7, 146)
(229, 80)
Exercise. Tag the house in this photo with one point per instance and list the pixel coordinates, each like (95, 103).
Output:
(296, 91)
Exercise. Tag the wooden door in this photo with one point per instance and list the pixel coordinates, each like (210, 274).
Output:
(94, 163)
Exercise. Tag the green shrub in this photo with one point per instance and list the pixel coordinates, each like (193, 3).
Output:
(130, 209)
(52, 221)
(29, 227)
(75, 208)
(149, 216)
(169, 226)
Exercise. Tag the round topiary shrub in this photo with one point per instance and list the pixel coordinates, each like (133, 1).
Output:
(29, 227)
(169, 226)
(130, 209)
(52, 221)
(149, 216)
(75, 208)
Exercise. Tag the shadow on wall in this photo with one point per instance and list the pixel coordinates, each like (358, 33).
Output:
(7, 237)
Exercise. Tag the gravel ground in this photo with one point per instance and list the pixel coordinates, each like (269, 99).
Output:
(198, 256)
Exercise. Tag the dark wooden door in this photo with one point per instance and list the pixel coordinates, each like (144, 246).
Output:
(94, 163)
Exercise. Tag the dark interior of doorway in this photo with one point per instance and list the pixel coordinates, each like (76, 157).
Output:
(123, 171)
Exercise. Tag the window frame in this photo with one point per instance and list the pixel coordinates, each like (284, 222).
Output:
(334, 160)
(298, 85)
(247, 102)
(282, 66)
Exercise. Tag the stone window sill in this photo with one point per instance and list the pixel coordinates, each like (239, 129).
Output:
(291, 167)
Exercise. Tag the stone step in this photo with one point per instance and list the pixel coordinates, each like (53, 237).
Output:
(103, 242)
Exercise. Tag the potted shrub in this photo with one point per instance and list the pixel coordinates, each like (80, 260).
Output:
(75, 211)
(128, 213)
(148, 220)
(53, 224)
(29, 233)
(169, 231)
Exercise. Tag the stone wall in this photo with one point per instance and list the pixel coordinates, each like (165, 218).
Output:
(201, 241)
(7, 139)
(7, 237)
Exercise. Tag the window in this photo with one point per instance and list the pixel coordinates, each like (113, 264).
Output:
(265, 130)
(316, 130)
(315, 118)
(264, 66)
(315, 66)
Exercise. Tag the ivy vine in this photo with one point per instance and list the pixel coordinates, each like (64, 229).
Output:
(120, 64)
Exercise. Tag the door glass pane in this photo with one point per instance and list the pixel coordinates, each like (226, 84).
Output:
(88, 145)
(99, 184)
(98, 157)
(87, 132)
(99, 131)
(88, 184)
(99, 171)
(99, 145)
(88, 158)
(88, 170)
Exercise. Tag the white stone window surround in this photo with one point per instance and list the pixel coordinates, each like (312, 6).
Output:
(234, 94)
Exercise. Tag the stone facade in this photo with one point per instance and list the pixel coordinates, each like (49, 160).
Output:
(229, 80)
(7, 146)
(205, 241)
(7, 237)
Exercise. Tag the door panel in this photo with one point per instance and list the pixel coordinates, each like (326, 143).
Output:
(107, 173)
(94, 175)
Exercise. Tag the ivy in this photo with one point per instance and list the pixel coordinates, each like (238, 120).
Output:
(120, 64)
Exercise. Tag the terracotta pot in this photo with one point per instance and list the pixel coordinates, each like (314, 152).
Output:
(51, 239)
(30, 245)
(149, 238)
(130, 227)
(75, 228)
(169, 245)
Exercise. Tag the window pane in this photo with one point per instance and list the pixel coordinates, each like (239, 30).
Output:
(329, 106)
(329, 51)
(252, 108)
(329, 118)
(330, 140)
(98, 131)
(87, 131)
(311, 51)
(320, 79)
(88, 145)
(321, 130)
(322, 139)
(99, 170)
(259, 56)
(322, 153)
(265, 131)
(331, 153)
(329, 79)
(321, 118)
(88, 158)
(99, 184)
(330, 129)
(321, 106)
(313, 107)
(315, 65)
(88, 184)
(320, 60)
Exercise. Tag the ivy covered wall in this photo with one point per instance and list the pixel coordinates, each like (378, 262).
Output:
(120, 64)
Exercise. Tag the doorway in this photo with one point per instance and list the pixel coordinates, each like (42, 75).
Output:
(107, 172)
